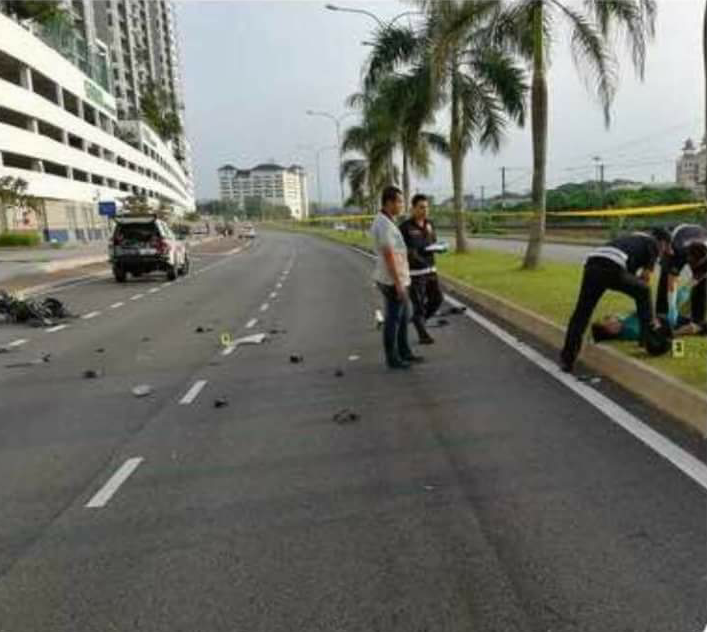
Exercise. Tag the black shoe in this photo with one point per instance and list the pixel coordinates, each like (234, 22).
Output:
(413, 359)
(427, 340)
(566, 367)
(399, 365)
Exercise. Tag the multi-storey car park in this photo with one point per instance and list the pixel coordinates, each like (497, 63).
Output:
(60, 132)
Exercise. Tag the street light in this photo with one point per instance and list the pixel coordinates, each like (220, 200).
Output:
(337, 122)
(381, 23)
(317, 152)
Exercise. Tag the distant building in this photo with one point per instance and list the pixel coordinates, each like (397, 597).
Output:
(692, 167)
(282, 186)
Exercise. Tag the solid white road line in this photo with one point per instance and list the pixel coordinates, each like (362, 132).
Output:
(251, 323)
(273, 294)
(52, 330)
(109, 489)
(193, 392)
(117, 305)
(154, 290)
(685, 462)
(90, 315)
(166, 284)
(16, 343)
(137, 297)
(227, 351)
(264, 307)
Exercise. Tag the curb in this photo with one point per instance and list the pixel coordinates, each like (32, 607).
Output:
(70, 264)
(663, 392)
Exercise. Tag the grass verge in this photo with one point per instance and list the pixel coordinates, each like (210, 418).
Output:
(550, 291)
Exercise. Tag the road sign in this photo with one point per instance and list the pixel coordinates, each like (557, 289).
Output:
(678, 348)
(108, 209)
(226, 339)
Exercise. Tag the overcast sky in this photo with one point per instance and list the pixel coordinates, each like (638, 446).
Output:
(252, 68)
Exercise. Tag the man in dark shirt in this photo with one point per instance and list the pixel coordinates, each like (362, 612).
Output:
(615, 267)
(688, 240)
(419, 233)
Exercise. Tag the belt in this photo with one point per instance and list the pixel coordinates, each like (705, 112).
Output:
(414, 273)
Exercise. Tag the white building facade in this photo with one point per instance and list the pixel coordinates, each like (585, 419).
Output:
(59, 131)
(691, 168)
(281, 186)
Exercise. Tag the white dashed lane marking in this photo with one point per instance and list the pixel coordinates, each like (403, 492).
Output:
(137, 297)
(117, 305)
(108, 490)
(16, 343)
(251, 323)
(193, 392)
(52, 330)
(90, 315)
(264, 307)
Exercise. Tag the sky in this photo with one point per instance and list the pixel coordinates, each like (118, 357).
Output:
(252, 69)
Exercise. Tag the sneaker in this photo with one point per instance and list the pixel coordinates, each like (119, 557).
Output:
(413, 359)
(426, 340)
(399, 365)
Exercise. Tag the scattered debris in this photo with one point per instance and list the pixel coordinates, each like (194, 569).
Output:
(100, 350)
(91, 374)
(354, 357)
(142, 390)
(441, 322)
(296, 358)
(33, 312)
(339, 373)
(592, 379)
(4, 350)
(46, 357)
(454, 311)
(145, 339)
(220, 402)
(379, 319)
(199, 330)
(346, 416)
(274, 331)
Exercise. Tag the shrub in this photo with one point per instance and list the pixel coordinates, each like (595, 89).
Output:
(26, 239)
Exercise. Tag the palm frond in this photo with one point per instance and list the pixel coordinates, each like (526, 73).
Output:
(393, 46)
(483, 119)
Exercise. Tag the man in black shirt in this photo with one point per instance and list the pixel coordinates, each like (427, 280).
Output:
(419, 233)
(688, 241)
(615, 267)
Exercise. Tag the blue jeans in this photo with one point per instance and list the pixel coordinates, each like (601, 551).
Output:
(395, 328)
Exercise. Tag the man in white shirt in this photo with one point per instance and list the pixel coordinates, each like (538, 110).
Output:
(392, 275)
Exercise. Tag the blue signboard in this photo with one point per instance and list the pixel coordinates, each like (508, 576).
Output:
(107, 208)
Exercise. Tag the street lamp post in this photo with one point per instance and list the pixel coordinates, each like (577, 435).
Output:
(381, 23)
(317, 153)
(337, 123)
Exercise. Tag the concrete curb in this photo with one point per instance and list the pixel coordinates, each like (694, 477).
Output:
(70, 264)
(664, 392)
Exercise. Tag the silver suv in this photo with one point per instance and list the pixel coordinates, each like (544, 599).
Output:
(143, 244)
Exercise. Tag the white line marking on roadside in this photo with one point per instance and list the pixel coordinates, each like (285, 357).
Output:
(273, 294)
(154, 290)
(108, 490)
(193, 392)
(228, 350)
(264, 307)
(117, 305)
(52, 330)
(251, 323)
(685, 462)
(137, 297)
(16, 343)
(279, 286)
(90, 315)
(165, 284)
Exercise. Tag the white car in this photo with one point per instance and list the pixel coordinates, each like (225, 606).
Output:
(340, 227)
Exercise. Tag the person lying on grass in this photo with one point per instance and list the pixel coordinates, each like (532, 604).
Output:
(627, 327)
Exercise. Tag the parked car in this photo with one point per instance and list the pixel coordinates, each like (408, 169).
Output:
(140, 245)
(340, 226)
(247, 231)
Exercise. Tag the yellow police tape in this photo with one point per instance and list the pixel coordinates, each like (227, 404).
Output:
(623, 212)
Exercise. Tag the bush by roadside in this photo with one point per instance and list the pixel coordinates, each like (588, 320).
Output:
(20, 240)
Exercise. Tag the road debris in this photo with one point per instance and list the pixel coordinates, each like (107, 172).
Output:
(454, 311)
(296, 358)
(274, 331)
(379, 319)
(142, 390)
(91, 374)
(220, 402)
(145, 339)
(100, 350)
(339, 373)
(346, 416)
(354, 357)
(44, 313)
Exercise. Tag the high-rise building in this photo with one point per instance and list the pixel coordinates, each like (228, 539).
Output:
(63, 131)
(280, 186)
(692, 167)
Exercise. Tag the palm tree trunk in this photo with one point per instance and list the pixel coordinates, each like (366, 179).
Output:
(704, 60)
(457, 160)
(3, 219)
(539, 106)
(406, 179)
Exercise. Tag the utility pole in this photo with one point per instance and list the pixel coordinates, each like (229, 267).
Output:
(482, 197)
(503, 188)
(601, 179)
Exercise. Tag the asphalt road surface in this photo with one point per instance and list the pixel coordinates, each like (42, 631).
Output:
(475, 493)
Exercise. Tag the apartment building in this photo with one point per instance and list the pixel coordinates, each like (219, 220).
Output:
(691, 168)
(284, 186)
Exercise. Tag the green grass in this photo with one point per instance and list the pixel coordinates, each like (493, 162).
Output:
(24, 240)
(550, 291)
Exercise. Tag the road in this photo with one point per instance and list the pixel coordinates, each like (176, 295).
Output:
(551, 251)
(474, 493)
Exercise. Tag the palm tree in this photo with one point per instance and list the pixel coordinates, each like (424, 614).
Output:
(480, 83)
(704, 61)
(529, 28)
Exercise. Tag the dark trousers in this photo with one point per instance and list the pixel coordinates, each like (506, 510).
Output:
(395, 327)
(599, 276)
(698, 297)
(426, 297)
